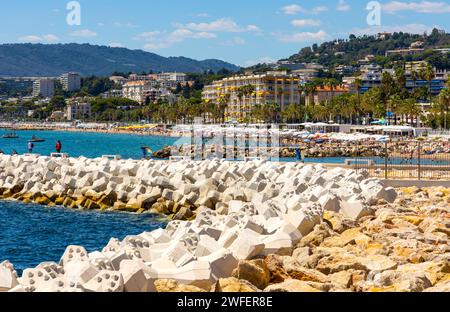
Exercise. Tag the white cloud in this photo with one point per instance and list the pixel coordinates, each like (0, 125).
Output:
(321, 35)
(236, 41)
(420, 7)
(408, 28)
(319, 9)
(84, 33)
(294, 9)
(261, 60)
(202, 15)
(35, 38)
(156, 40)
(116, 45)
(50, 38)
(305, 22)
(220, 25)
(343, 6)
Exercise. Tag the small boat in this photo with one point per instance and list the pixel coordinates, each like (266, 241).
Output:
(35, 139)
(10, 135)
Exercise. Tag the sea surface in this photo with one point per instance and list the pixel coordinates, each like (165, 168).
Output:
(31, 234)
(86, 144)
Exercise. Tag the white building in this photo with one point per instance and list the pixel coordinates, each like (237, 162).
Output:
(44, 87)
(71, 82)
(78, 111)
(136, 90)
(177, 77)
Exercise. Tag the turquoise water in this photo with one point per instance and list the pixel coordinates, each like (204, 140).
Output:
(86, 144)
(32, 234)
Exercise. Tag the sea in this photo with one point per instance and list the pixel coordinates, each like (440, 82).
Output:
(31, 234)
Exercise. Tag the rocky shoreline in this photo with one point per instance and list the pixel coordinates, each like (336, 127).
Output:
(253, 226)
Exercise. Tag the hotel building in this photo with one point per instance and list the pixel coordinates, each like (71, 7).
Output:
(269, 88)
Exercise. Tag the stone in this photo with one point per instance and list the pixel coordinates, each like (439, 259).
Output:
(246, 246)
(234, 285)
(105, 281)
(277, 272)
(134, 277)
(291, 285)
(169, 286)
(253, 271)
(79, 271)
(8, 276)
(74, 253)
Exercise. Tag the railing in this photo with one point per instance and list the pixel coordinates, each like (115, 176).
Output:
(409, 159)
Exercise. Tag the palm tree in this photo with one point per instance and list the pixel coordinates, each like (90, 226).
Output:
(444, 101)
(223, 104)
(292, 113)
(427, 73)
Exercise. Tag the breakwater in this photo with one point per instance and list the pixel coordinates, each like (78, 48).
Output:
(234, 212)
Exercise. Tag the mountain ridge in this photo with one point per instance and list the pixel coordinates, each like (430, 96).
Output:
(26, 59)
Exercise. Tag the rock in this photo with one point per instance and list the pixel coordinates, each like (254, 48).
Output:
(274, 264)
(399, 282)
(342, 279)
(172, 286)
(317, 236)
(8, 276)
(105, 281)
(253, 271)
(73, 253)
(291, 285)
(340, 262)
(297, 272)
(233, 285)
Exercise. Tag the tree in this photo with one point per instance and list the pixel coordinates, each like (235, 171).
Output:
(427, 73)
(444, 101)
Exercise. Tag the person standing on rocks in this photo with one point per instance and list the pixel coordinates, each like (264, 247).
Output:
(58, 146)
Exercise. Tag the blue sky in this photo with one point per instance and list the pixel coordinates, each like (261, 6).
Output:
(243, 32)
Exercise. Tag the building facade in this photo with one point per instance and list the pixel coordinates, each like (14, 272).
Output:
(71, 82)
(76, 110)
(324, 94)
(135, 90)
(44, 87)
(268, 88)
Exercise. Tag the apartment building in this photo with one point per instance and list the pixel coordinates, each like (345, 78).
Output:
(325, 93)
(136, 90)
(44, 87)
(78, 110)
(272, 87)
(71, 82)
(139, 91)
(177, 77)
(404, 52)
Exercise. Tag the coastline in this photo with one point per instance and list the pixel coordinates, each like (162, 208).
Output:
(252, 226)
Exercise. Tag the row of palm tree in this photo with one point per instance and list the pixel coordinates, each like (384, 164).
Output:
(353, 108)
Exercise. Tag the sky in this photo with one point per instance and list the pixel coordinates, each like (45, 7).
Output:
(243, 32)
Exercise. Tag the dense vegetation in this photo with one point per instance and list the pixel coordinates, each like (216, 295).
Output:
(56, 59)
(348, 52)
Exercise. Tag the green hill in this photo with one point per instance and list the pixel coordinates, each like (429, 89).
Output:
(55, 59)
(349, 51)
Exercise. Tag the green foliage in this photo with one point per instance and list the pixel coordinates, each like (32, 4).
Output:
(356, 48)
